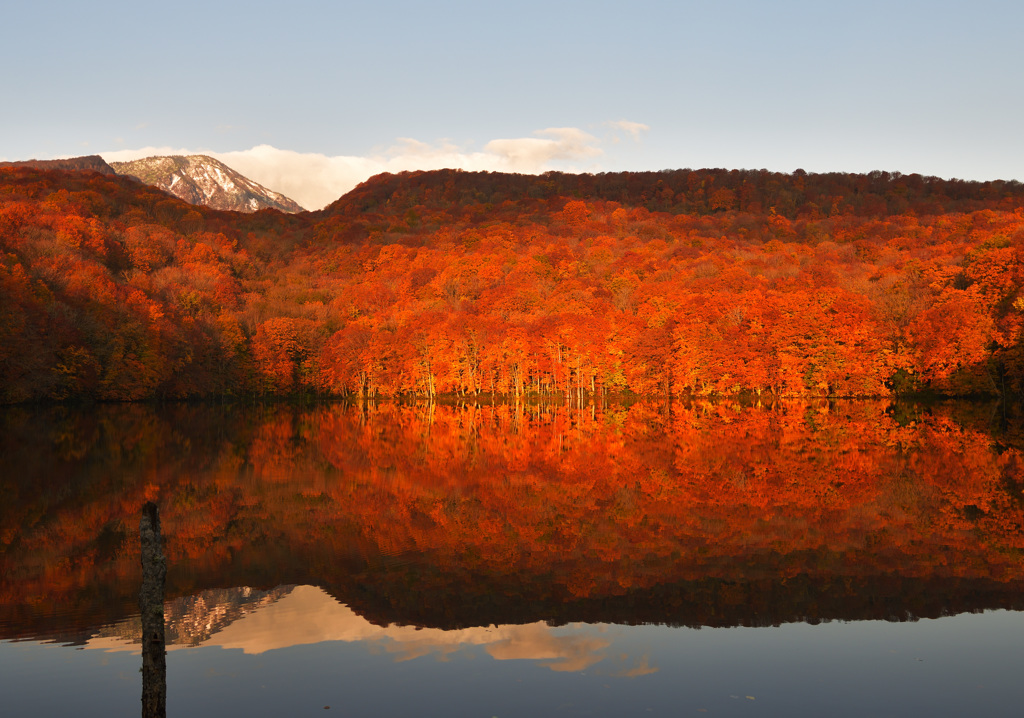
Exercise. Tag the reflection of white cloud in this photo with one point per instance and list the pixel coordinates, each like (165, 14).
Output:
(535, 641)
(309, 615)
(114, 643)
(315, 180)
(643, 667)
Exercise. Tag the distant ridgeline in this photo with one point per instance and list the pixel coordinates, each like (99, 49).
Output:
(758, 192)
(91, 163)
(707, 282)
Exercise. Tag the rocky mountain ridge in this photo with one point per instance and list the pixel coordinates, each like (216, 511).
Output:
(199, 179)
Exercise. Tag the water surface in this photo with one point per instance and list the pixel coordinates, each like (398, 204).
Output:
(796, 559)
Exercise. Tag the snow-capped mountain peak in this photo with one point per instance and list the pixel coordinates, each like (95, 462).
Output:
(200, 179)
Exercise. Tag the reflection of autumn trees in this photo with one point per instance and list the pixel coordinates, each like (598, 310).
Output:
(475, 284)
(555, 505)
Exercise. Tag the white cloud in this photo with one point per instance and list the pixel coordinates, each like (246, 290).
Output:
(532, 154)
(634, 129)
(315, 180)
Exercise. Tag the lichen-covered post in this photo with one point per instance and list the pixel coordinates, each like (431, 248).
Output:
(151, 606)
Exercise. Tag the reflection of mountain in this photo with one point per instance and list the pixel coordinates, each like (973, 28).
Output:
(695, 514)
(192, 620)
(256, 622)
(821, 594)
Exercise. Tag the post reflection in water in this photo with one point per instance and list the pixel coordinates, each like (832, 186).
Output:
(430, 530)
(151, 611)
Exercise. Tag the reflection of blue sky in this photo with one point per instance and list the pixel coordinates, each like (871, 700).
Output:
(962, 665)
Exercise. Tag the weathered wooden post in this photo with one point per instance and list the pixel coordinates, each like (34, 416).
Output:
(151, 606)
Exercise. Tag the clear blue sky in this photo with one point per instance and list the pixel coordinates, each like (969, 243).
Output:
(932, 87)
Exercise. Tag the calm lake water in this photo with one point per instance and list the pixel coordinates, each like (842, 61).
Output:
(805, 558)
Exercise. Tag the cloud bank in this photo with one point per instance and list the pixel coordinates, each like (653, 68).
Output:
(315, 180)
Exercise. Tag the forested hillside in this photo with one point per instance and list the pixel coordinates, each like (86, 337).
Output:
(432, 283)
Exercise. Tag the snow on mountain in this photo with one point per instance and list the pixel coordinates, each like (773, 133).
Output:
(203, 180)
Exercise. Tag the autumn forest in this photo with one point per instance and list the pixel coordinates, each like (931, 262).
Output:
(571, 287)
